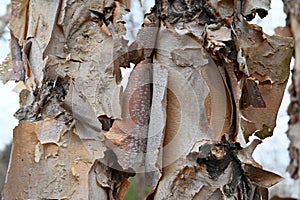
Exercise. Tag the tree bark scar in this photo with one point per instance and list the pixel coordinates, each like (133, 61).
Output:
(128, 136)
(137, 96)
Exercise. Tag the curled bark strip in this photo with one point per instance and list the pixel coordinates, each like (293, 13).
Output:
(18, 71)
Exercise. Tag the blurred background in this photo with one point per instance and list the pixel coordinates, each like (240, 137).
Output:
(8, 99)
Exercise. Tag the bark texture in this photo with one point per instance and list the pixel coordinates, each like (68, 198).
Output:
(203, 76)
(293, 26)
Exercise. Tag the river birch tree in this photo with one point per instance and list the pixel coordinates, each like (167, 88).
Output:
(204, 80)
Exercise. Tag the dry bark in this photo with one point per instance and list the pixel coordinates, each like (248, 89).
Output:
(202, 74)
(291, 8)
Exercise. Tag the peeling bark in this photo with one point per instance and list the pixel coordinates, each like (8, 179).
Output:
(202, 73)
(292, 10)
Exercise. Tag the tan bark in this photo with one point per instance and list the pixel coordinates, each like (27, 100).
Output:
(201, 73)
(293, 23)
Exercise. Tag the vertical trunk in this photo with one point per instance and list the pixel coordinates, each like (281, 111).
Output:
(202, 74)
(71, 53)
(207, 48)
(293, 25)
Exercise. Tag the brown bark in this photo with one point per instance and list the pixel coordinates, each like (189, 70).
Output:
(293, 24)
(200, 66)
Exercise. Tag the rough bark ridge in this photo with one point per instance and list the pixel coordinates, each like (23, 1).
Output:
(202, 74)
(292, 9)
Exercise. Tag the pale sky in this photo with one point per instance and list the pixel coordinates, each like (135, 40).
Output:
(9, 101)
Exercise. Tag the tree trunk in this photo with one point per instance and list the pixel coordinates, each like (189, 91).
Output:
(293, 26)
(204, 79)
